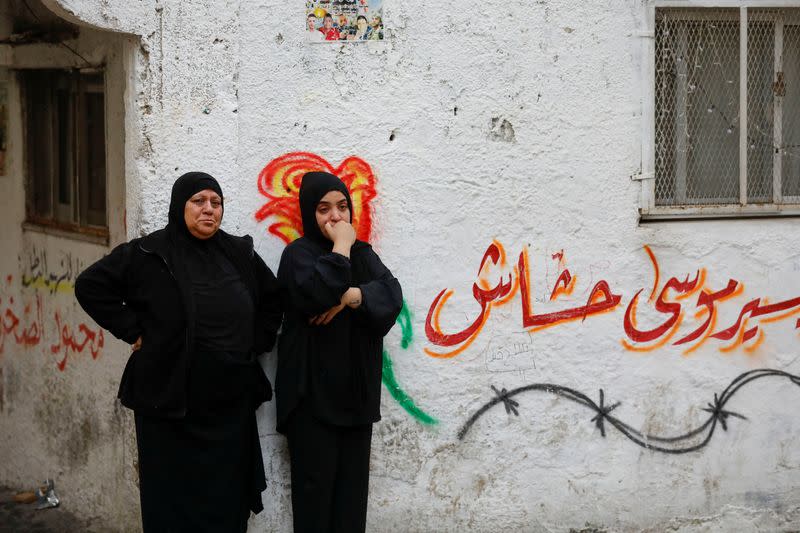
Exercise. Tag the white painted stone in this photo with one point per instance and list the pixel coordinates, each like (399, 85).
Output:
(517, 121)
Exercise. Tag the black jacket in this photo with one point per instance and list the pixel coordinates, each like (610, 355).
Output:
(140, 290)
(337, 366)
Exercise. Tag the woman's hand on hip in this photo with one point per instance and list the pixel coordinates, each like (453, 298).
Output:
(137, 345)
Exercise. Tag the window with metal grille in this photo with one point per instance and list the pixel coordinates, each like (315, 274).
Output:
(726, 117)
(65, 149)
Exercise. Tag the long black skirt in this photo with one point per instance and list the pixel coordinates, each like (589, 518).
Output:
(204, 472)
(330, 474)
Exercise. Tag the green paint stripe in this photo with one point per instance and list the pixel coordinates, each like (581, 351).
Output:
(400, 396)
(405, 401)
(404, 319)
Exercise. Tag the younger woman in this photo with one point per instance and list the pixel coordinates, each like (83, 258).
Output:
(340, 301)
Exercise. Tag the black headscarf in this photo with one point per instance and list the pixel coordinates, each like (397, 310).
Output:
(184, 188)
(314, 186)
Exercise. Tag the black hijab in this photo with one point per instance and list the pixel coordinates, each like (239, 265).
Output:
(184, 188)
(314, 186)
(184, 242)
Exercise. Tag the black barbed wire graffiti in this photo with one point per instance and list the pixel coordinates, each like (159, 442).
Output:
(675, 445)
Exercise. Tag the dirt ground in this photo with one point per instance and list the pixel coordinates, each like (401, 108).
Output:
(24, 518)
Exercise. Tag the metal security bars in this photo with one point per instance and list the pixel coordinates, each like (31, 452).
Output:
(726, 120)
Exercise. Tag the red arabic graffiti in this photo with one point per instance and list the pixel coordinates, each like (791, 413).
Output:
(28, 329)
(27, 333)
(279, 182)
(668, 301)
(68, 341)
(600, 300)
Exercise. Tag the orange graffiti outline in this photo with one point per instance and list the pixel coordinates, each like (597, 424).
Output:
(660, 343)
(704, 337)
(657, 272)
(595, 298)
(483, 280)
(738, 340)
(698, 286)
(756, 344)
(512, 293)
(485, 285)
(669, 335)
(777, 318)
(678, 322)
(560, 289)
(438, 327)
(502, 251)
(712, 324)
(466, 343)
(534, 329)
(436, 324)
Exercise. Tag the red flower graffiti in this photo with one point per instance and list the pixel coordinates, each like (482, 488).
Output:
(280, 181)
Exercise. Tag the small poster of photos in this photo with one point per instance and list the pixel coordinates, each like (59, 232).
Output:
(344, 20)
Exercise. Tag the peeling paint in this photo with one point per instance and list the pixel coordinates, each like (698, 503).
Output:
(501, 130)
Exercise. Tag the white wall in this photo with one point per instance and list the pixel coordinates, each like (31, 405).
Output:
(227, 87)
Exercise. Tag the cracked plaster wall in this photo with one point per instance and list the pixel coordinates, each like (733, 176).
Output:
(516, 121)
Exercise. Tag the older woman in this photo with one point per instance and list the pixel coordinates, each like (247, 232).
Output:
(340, 302)
(197, 305)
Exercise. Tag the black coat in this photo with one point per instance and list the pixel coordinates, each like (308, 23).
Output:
(337, 366)
(139, 289)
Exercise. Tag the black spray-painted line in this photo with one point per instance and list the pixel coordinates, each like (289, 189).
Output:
(674, 445)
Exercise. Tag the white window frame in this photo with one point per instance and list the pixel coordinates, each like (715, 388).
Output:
(649, 210)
